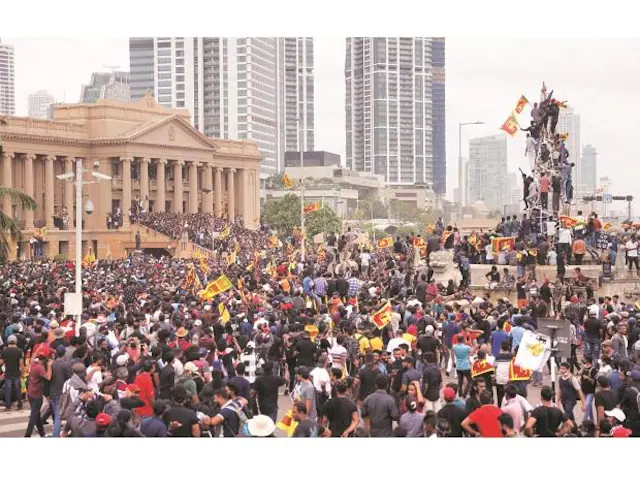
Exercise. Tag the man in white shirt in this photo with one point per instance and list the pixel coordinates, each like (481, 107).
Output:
(564, 240)
(631, 248)
(365, 260)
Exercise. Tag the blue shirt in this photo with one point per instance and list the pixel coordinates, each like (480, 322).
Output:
(497, 337)
(516, 334)
(449, 330)
(461, 353)
(306, 285)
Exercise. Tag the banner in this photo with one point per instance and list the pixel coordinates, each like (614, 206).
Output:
(225, 232)
(288, 182)
(510, 125)
(385, 242)
(522, 102)
(568, 221)
(216, 287)
(507, 243)
(481, 366)
(534, 351)
(383, 316)
(516, 373)
(311, 207)
(607, 226)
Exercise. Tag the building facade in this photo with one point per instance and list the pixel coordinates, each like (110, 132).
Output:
(259, 89)
(106, 86)
(389, 108)
(587, 177)
(7, 80)
(439, 115)
(488, 180)
(569, 122)
(153, 155)
(41, 105)
(310, 159)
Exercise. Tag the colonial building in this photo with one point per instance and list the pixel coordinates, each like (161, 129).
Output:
(153, 155)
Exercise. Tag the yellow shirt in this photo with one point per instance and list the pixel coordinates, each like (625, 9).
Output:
(363, 343)
(376, 344)
(410, 338)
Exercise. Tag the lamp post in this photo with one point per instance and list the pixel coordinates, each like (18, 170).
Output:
(77, 180)
(461, 186)
(303, 253)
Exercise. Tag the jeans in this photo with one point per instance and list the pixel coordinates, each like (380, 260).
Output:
(568, 409)
(544, 200)
(464, 373)
(10, 385)
(273, 415)
(34, 417)
(54, 405)
(588, 414)
(537, 377)
(592, 348)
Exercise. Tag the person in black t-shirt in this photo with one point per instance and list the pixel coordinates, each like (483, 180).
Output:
(588, 385)
(266, 388)
(340, 413)
(366, 379)
(305, 351)
(181, 421)
(547, 419)
(432, 380)
(306, 427)
(605, 399)
(13, 361)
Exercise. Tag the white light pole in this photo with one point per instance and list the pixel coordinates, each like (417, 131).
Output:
(77, 180)
(461, 187)
(303, 254)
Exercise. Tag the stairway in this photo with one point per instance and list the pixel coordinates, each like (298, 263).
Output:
(153, 239)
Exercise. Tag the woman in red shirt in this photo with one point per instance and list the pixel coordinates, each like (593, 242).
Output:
(144, 380)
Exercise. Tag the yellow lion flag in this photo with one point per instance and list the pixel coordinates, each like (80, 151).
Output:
(288, 182)
(224, 313)
(216, 287)
(287, 424)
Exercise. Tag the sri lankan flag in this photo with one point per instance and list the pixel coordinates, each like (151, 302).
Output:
(204, 266)
(224, 313)
(516, 373)
(418, 242)
(606, 226)
(311, 207)
(522, 102)
(216, 287)
(385, 242)
(313, 331)
(568, 221)
(510, 125)
(507, 243)
(481, 366)
(287, 424)
(88, 260)
(382, 317)
(322, 254)
(507, 327)
(225, 232)
(288, 182)
(236, 248)
(274, 242)
(231, 258)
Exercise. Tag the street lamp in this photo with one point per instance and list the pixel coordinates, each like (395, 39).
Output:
(303, 252)
(76, 179)
(461, 187)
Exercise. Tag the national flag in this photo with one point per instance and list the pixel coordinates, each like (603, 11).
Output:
(271, 270)
(274, 242)
(510, 125)
(288, 182)
(108, 254)
(507, 243)
(560, 104)
(240, 283)
(287, 424)
(313, 331)
(236, 248)
(204, 266)
(568, 221)
(382, 317)
(311, 207)
(522, 102)
(216, 287)
(480, 366)
(543, 91)
(507, 327)
(418, 242)
(445, 236)
(385, 242)
(516, 373)
(231, 258)
(224, 313)
(607, 226)
(224, 233)
(430, 228)
(423, 251)
(88, 260)
(322, 254)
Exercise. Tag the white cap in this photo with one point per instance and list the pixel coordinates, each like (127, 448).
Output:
(617, 413)
(593, 310)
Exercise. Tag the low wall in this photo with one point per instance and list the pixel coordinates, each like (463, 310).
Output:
(478, 272)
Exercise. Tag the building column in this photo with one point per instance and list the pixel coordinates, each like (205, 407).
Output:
(240, 194)
(178, 190)
(217, 189)
(126, 189)
(231, 194)
(193, 186)
(144, 182)
(49, 179)
(161, 186)
(28, 187)
(105, 192)
(7, 181)
(69, 190)
(207, 197)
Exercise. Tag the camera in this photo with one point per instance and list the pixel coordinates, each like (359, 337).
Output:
(89, 208)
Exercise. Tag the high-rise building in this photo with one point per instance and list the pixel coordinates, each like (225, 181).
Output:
(488, 180)
(569, 122)
(587, 170)
(259, 89)
(106, 86)
(389, 117)
(41, 105)
(439, 115)
(7, 80)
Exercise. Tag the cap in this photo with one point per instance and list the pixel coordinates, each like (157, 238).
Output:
(617, 413)
(593, 310)
(303, 371)
(191, 367)
(449, 394)
(12, 339)
(412, 406)
(103, 419)
(181, 332)
(122, 359)
(428, 330)
(54, 324)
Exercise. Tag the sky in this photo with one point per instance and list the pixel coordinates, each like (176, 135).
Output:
(599, 78)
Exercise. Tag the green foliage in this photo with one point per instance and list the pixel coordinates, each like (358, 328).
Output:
(283, 214)
(60, 258)
(323, 220)
(369, 208)
(9, 228)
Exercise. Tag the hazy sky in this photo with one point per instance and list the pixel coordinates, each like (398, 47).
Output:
(485, 77)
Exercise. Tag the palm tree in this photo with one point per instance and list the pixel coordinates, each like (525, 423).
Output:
(9, 228)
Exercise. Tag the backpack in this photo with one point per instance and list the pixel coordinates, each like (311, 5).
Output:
(243, 413)
(637, 397)
(65, 401)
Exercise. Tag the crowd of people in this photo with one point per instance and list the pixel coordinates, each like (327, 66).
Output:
(300, 348)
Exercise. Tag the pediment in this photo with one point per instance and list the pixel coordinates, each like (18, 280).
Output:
(173, 131)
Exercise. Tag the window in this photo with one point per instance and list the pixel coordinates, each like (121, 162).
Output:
(179, 78)
(164, 83)
(164, 60)
(180, 69)
(164, 91)
(179, 61)
(180, 95)
(164, 68)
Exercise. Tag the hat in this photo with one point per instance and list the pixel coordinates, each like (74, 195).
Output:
(134, 388)
(412, 406)
(54, 324)
(181, 333)
(617, 413)
(593, 310)
(449, 394)
(122, 359)
(12, 339)
(303, 371)
(428, 330)
(58, 333)
(103, 419)
(261, 426)
(191, 367)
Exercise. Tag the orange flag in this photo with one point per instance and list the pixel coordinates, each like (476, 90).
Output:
(522, 102)
(383, 316)
(311, 207)
(385, 242)
(510, 125)
(507, 243)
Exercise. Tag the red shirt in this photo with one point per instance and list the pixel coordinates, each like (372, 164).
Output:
(486, 420)
(545, 183)
(147, 395)
(35, 390)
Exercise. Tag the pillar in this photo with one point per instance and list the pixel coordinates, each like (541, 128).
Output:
(49, 179)
(105, 189)
(28, 187)
(193, 187)
(7, 181)
(144, 183)
(69, 190)
(126, 190)
(231, 194)
(161, 186)
(217, 188)
(240, 193)
(207, 198)
(178, 187)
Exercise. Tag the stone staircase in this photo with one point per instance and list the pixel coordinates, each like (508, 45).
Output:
(152, 239)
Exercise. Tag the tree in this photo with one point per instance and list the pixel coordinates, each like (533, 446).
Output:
(371, 208)
(283, 214)
(9, 228)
